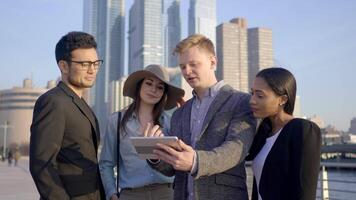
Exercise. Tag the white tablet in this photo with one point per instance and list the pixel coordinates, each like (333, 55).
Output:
(145, 145)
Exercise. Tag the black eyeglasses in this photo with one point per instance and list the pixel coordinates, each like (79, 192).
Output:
(86, 64)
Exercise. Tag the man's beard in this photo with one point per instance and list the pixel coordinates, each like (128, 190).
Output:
(82, 85)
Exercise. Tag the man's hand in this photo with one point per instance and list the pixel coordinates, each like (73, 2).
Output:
(180, 160)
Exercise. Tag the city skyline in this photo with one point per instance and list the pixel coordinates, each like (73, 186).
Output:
(315, 47)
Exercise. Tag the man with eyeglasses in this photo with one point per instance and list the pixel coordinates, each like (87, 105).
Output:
(64, 131)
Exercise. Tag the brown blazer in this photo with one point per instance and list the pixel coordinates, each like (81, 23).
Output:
(227, 134)
(63, 146)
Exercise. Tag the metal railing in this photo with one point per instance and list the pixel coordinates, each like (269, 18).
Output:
(325, 187)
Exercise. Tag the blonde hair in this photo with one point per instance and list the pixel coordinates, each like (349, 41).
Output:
(198, 40)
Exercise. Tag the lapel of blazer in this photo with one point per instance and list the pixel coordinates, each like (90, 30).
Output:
(85, 109)
(186, 134)
(222, 96)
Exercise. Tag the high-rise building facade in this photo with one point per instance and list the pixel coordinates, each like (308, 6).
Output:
(260, 51)
(202, 18)
(118, 100)
(297, 108)
(352, 128)
(231, 47)
(171, 31)
(145, 34)
(16, 108)
(90, 16)
(172, 34)
(106, 17)
(90, 25)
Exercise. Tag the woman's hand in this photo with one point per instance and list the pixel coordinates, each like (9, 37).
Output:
(152, 131)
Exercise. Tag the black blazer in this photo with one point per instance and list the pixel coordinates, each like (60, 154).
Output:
(63, 146)
(292, 166)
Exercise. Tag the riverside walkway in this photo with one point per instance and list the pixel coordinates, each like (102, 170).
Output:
(16, 182)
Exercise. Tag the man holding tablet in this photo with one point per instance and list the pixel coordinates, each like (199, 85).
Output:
(215, 130)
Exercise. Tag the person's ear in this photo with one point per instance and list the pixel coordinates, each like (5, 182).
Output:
(213, 61)
(63, 66)
(283, 101)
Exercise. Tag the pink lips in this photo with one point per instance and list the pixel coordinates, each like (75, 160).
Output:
(152, 96)
(90, 78)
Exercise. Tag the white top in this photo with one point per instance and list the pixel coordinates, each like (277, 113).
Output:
(259, 161)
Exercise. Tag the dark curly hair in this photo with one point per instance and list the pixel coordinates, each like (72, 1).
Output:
(71, 41)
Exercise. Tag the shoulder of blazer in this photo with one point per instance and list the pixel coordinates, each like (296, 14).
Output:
(241, 97)
(54, 95)
(299, 126)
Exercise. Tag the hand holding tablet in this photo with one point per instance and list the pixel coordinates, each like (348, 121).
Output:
(145, 145)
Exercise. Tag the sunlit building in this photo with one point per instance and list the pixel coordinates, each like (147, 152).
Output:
(231, 48)
(16, 108)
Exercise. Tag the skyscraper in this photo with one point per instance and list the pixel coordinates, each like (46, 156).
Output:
(171, 30)
(118, 101)
(90, 25)
(172, 34)
(231, 47)
(90, 16)
(110, 36)
(260, 51)
(297, 107)
(145, 34)
(352, 128)
(202, 18)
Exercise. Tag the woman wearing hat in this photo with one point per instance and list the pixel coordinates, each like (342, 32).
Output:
(152, 94)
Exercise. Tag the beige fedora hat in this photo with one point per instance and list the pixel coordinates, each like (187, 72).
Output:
(173, 93)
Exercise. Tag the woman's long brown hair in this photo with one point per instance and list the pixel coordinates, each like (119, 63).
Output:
(135, 105)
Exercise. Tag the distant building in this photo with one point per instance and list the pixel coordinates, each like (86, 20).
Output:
(202, 18)
(105, 20)
(260, 51)
(145, 34)
(331, 136)
(117, 99)
(16, 107)
(318, 121)
(171, 31)
(352, 128)
(90, 16)
(297, 107)
(232, 55)
(352, 138)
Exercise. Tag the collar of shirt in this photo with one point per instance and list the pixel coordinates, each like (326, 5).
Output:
(212, 91)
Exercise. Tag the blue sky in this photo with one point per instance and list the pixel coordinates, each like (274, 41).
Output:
(315, 39)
